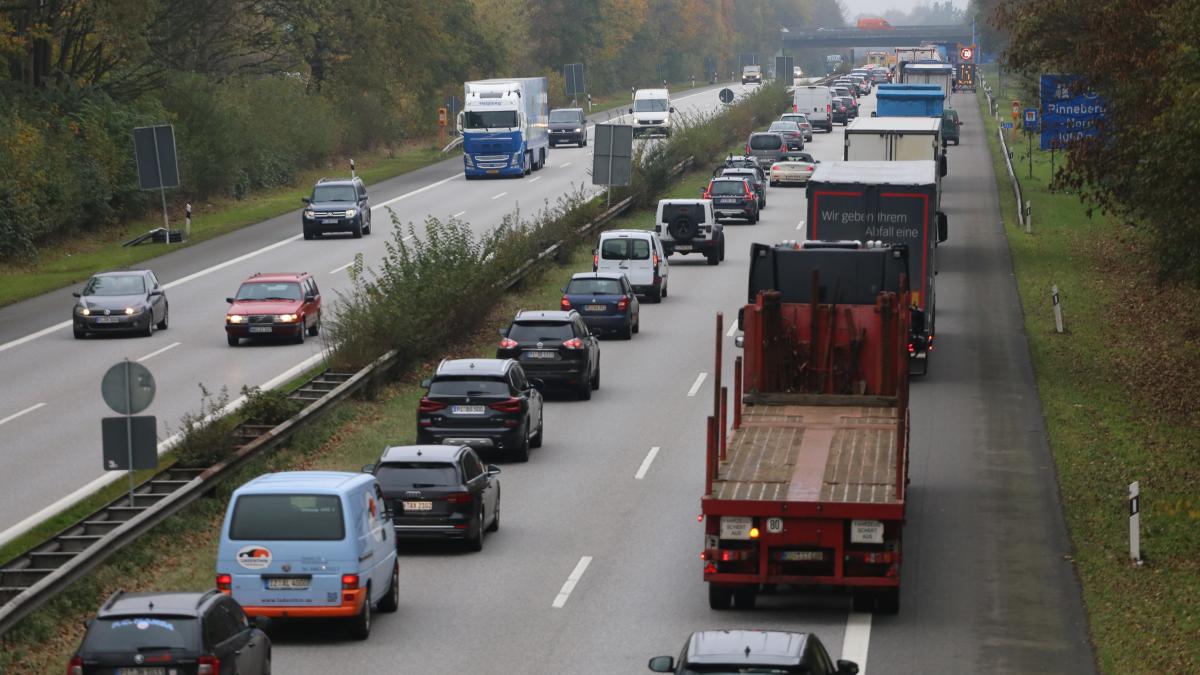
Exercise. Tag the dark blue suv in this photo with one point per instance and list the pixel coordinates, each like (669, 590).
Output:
(337, 205)
(605, 301)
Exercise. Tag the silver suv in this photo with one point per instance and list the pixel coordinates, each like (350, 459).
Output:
(766, 148)
(689, 226)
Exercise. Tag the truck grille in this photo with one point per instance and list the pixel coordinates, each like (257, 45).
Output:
(491, 158)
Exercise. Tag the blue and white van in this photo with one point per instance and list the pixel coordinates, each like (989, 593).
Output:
(309, 544)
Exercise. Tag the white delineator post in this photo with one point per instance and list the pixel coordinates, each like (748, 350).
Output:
(1135, 524)
(1058, 320)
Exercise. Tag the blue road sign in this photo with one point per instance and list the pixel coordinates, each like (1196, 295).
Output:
(1067, 115)
(1006, 125)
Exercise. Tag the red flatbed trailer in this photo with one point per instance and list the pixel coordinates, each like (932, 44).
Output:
(809, 487)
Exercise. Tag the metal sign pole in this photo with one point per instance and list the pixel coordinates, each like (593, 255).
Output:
(611, 140)
(129, 420)
(162, 191)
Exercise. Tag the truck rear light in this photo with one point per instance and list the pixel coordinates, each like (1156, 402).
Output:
(509, 343)
(349, 582)
(754, 533)
(710, 568)
(458, 498)
(573, 343)
(565, 304)
(209, 665)
(428, 406)
(911, 348)
(75, 667)
(224, 583)
(512, 405)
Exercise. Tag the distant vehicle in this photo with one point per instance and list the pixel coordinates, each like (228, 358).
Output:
(757, 178)
(568, 125)
(690, 226)
(639, 255)
(488, 404)
(752, 74)
(796, 167)
(816, 102)
(753, 651)
(554, 347)
(606, 301)
(766, 147)
(278, 524)
(113, 302)
(276, 305)
(950, 125)
(740, 161)
(337, 205)
(874, 23)
(439, 492)
(851, 106)
(504, 126)
(177, 632)
(732, 197)
(652, 112)
(791, 132)
(841, 110)
(802, 120)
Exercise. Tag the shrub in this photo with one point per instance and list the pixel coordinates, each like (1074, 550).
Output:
(206, 436)
(269, 406)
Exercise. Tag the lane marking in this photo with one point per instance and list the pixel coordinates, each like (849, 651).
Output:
(857, 639)
(339, 269)
(33, 336)
(569, 584)
(732, 329)
(232, 261)
(800, 226)
(458, 214)
(418, 191)
(641, 472)
(696, 385)
(15, 415)
(156, 352)
(536, 179)
(564, 165)
(499, 195)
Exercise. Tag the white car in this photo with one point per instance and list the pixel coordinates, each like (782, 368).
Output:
(796, 167)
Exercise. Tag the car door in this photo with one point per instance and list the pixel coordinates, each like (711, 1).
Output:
(635, 308)
(582, 332)
(251, 656)
(524, 390)
(384, 540)
(158, 297)
(664, 267)
(314, 307)
(478, 484)
(363, 203)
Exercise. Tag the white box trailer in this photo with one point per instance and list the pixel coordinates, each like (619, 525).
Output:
(895, 139)
(941, 74)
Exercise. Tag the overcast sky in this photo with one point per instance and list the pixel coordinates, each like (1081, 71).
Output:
(874, 7)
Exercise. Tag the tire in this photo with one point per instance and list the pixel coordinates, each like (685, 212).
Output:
(80, 334)
(308, 235)
(722, 248)
(528, 163)
(360, 625)
(162, 325)
(299, 339)
(391, 601)
(714, 257)
(315, 329)
(754, 218)
(863, 601)
(535, 441)
(357, 232)
(495, 526)
(627, 332)
(683, 229)
(774, 183)
(888, 602)
(585, 390)
(719, 597)
(367, 229)
(149, 330)
(763, 205)
(583, 143)
(232, 340)
(475, 543)
(637, 325)
(745, 597)
(521, 452)
(594, 383)
(655, 295)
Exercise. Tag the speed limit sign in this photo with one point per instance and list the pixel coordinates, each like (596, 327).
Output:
(966, 53)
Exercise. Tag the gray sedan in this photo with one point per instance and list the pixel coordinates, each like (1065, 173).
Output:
(128, 302)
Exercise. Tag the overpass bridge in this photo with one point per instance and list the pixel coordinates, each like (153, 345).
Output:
(898, 36)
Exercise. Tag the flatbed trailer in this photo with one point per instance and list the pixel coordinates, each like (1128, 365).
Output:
(809, 486)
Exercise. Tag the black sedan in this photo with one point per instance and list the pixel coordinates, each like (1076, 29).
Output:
(112, 302)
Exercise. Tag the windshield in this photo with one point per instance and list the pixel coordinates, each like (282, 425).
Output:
(785, 126)
(490, 119)
(125, 284)
(752, 69)
(798, 157)
(141, 633)
(469, 385)
(625, 249)
(728, 187)
(564, 116)
(269, 291)
(333, 193)
(650, 105)
(594, 287)
(540, 331)
(396, 476)
(287, 518)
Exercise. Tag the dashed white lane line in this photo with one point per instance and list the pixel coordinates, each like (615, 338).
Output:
(569, 584)
(696, 385)
(535, 179)
(418, 191)
(15, 415)
(156, 352)
(641, 472)
(564, 165)
(339, 269)
(857, 639)
(732, 329)
(457, 214)
(500, 195)
(800, 225)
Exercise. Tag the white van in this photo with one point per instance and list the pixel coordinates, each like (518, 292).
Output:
(817, 103)
(639, 255)
(651, 112)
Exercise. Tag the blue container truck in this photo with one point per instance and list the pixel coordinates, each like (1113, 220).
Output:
(504, 126)
(909, 100)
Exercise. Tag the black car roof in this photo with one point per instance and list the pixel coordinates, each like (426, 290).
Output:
(488, 367)
(156, 604)
(543, 315)
(432, 453)
(746, 647)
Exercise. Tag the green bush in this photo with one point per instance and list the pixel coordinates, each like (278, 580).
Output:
(269, 406)
(206, 436)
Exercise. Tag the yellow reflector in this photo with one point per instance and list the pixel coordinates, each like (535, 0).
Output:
(754, 533)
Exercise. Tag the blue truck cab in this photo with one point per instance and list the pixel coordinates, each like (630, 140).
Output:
(504, 126)
(310, 544)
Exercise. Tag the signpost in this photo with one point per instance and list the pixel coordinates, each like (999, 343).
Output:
(726, 95)
(128, 388)
(1067, 114)
(158, 168)
(1030, 126)
(573, 79)
(452, 108)
(612, 162)
(784, 66)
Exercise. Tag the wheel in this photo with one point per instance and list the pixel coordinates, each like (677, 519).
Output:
(535, 441)
(521, 452)
(148, 331)
(774, 183)
(627, 332)
(637, 325)
(888, 602)
(315, 329)
(299, 339)
(754, 218)
(719, 597)
(475, 543)
(162, 325)
(655, 294)
(266, 667)
(713, 257)
(308, 235)
(595, 382)
(527, 165)
(79, 334)
(360, 626)
(391, 602)
(357, 232)
(367, 229)
(585, 390)
(666, 287)
(233, 340)
(583, 143)
(722, 248)
(495, 526)
(744, 597)
(762, 204)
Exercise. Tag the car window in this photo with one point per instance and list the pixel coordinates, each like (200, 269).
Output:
(219, 626)
(651, 105)
(333, 193)
(564, 116)
(519, 379)
(127, 633)
(468, 385)
(581, 329)
(265, 290)
(153, 279)
(396, 476)
(282, 517)
(594, 286)
(625, 249)
(362, 191)
(728, 187)
(540, 331)
(785, 126)
(472, 467)
(119, 284)
(765, 142)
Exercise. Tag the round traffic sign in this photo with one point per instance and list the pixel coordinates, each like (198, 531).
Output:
(726, 96)
(966, 53)
(128, 388)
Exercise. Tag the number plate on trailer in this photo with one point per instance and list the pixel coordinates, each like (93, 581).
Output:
(288, 583)
(541, 355)
(467, 409)
(595, 308)
(418, 506)
(108, 319)
(736, 527)
(802, 556)
(260, 329)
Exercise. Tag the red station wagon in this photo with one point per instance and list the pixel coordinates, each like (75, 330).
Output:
(275, 305)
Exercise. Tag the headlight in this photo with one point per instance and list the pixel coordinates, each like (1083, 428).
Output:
(129, 311)
(285, 318)
(516, 158)
(578, 130)
(83, 311)
(350, 212)
(308, 213)
(235, 318)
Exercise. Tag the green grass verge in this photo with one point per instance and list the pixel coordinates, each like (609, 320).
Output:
(1106, 427)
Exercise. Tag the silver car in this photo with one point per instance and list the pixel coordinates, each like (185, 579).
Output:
(802, 120)
(766, 148)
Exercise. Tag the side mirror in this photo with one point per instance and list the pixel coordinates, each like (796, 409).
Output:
(306, 200)
(943, 231)
(845, 667)
(958, 122)
(425, 383)
(631, 111)
(671, 109)
(662, 664)
(368, 468)
(77, 294)
(229, 300)
(493, 470)
(537, 383)
(156, 292)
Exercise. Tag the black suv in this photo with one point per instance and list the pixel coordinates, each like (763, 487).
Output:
(756, 180)
(439, 492)
(568, 125)
(337, 205)
(482, 403)
(839, 110)
(556, 347)
(203, 633)
(753, 651)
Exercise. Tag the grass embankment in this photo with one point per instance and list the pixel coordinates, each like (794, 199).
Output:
(1119, 392)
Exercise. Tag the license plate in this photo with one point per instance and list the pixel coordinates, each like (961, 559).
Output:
(595, 308)
(288, 584)
(141, 671)
(727, 201)
(541, 355)
(418, 506)
(108, 319)
(467, 409)
(683, 247)
(802, 556)
(329, 221)
(260, 329)
(736, 527)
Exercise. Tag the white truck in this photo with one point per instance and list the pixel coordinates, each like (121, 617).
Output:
(817, 103)
(651, 112)
(895, 139)
(504, 126)
(941, 74)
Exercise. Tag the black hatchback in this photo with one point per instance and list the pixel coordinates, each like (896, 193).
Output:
(556, 347)
(482, 403)
(202, 633)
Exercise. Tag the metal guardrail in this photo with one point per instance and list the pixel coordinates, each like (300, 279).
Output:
(1004, 149)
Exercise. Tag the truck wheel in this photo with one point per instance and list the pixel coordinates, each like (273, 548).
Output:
(745, 597)
(719, 597)
(888, 602)
(863, 601)
(528, 165)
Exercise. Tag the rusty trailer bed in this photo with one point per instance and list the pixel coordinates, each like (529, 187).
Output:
(811, 453)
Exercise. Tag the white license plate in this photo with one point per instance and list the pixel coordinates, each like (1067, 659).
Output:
(329, 221)
(727, 201)
(802, 556)
(467, 409)
(736, 527)
(595, 308)
(141, 671)
(683, 247)
(541, 355)
(288, 584)
(418, 506)
(108, 319)
(260, 329)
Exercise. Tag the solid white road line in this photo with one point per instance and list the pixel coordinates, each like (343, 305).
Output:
(569, 584)
(15, 415)
(35, 335)
(232, 261)
(535, 179)
(156, 352)
(641, 472)
(732, 329)
(696, 385)
(458, 214)
(857, 639)
(499, 195)
(339, 269)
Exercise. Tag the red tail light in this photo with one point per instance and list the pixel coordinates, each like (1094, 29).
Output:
(512, 405)
(209, 665)
(224, 583)
(595, 261)
(349, 582)
(795, 108)
(75, 667)
(573, 343)
(458, 498)
(565, 304)
(911, 349)
(708, 193)
(828, 108)
(509, 343)
(747, 149)
(428, 406)
(655, 259)
(748, 192)
(623, 304)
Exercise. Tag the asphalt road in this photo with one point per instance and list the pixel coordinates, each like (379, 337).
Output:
(596, 566)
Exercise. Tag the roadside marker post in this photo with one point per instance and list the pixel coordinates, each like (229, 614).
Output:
(1058, 318)
(1135, 524)
(1028, 218)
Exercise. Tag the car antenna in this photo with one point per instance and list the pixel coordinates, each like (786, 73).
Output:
(747, 651)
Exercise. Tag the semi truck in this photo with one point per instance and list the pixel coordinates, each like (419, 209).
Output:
(914, 54)
(809, 485)
(941, 74)
(894, 202)
(504, 126)
(909, 100)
